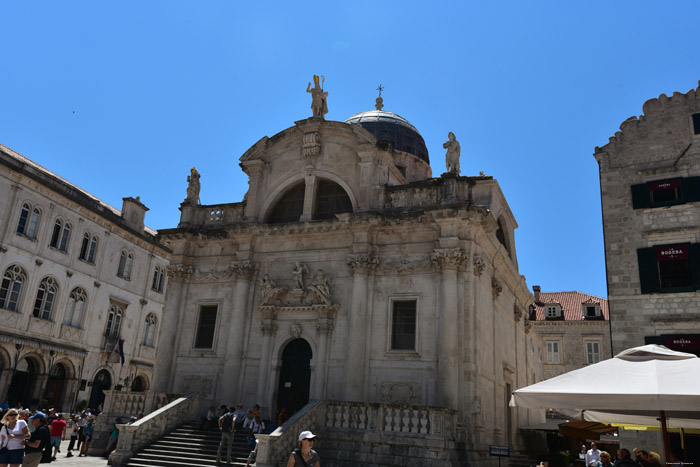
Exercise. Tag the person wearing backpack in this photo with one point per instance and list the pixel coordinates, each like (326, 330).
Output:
(227, 423)
(38, 448)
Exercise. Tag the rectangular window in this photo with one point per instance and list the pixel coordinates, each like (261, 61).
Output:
(403, 325)
(666, 192)
(552, 312)
(206, 325)
(553, 356)
(592, 352)
(696, 124)
(669, 268)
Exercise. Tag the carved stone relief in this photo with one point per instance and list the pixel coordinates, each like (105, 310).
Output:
(197, 384)
(496, 287)
(311, 145)
(449, 259)
(479, 266)
(517, 313)
(401, 393)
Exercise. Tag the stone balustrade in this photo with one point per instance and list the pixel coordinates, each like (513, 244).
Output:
(212, 214)
(141, 433)
(387, 420)
(448, 189)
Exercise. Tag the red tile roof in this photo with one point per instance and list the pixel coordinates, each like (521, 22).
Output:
(571, 303)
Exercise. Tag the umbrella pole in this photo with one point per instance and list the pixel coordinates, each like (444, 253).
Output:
(685, 451)
(664, 429)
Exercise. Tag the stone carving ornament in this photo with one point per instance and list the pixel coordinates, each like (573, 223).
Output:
(193, 187)
(517, 313)
(180, 271)
(401, 393)
(479, 266)
(363, 263)
(453, 153)
(496, 287)
(312, 144)
(299, 270)
(446, 259)
(295, 331)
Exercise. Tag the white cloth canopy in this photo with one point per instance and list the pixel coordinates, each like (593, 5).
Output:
(637, 382)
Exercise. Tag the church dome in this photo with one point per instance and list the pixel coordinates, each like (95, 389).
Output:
(390, 128)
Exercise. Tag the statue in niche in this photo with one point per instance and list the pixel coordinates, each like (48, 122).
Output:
(268, 287)
(322, 284)
(299, 270)
(193, 187)
(319, 105)
(453, 153)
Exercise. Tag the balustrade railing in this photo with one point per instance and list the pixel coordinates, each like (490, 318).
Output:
(419, 421)
(136, 436)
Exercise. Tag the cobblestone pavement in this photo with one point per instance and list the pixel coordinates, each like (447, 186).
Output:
(75, 461)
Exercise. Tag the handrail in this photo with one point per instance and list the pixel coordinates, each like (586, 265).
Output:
(136, 436)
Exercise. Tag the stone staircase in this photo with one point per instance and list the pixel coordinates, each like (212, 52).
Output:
(188, 446)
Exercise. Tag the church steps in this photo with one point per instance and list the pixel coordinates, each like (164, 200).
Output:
(187, 446)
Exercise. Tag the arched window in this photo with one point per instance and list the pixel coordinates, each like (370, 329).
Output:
(331, 199)
(114, 321)
(28, 220)
(150, 330)
(290, 207)
(88, 249)
(126, 260)
(75, 307)
(45, 298)
(60, 235)
(158, 279)
(501, 236)
(11, 288)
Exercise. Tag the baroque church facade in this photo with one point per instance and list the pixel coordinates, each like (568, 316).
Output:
(349, 273)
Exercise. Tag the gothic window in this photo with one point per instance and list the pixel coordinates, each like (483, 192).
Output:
(60, 235)
(553, 352)
(669, 268)
(403, 325)
(150, 330)
(331, 199)
(158, 279)
(126, 260)
(75, 307)
(114, 321)
(45, 298)
(29, 218)
(11, 288)
(206, 325)
(666, 192)
(290, 207)
(88, 248)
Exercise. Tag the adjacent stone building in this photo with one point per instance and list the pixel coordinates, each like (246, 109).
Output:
(349, 273)
(78, 276)
(574, 327)
(650, 190)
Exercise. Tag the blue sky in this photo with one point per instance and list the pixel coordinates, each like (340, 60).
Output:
(122, 98)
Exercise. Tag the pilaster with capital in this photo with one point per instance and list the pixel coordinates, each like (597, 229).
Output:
(324, 327)
(269, 329)
(361, 266)
(449, 262)
(173, 308)
(244, 272)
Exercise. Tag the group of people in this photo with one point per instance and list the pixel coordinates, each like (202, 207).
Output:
(230, 420)
(28, 439)
(597, 458)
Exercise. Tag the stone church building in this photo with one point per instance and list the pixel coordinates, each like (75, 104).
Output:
(349, 273)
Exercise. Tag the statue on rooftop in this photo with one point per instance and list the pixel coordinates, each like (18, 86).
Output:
(453, 153)
(319, 105)
(193, 187)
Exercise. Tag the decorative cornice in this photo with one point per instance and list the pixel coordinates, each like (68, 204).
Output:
(180, 272)
(449, 259)
(517, 313)
(362, 264)
(425, 264)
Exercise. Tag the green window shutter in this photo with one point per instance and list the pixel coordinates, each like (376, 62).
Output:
(640, 196)
(648, 270)
(691, 189)
(695, 264)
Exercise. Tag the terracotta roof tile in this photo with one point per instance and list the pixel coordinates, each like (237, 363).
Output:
(571, 303)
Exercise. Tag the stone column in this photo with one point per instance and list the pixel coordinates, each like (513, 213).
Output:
(237, 325)
(361, 267)
(170, 323)
(449, 262)
(309, 195)
(269, 329)
(324, 328)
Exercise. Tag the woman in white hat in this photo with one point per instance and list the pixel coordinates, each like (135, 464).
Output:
(304, 456)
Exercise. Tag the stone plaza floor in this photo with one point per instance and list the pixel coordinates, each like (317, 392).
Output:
(75, 461)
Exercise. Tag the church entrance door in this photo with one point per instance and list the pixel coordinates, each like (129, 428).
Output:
(295, 376)
(54, 387)
(101, 383)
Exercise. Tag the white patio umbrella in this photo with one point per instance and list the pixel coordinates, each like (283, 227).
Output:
(646, 381)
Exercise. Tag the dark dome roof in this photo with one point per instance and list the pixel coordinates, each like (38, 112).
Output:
(393, 129)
